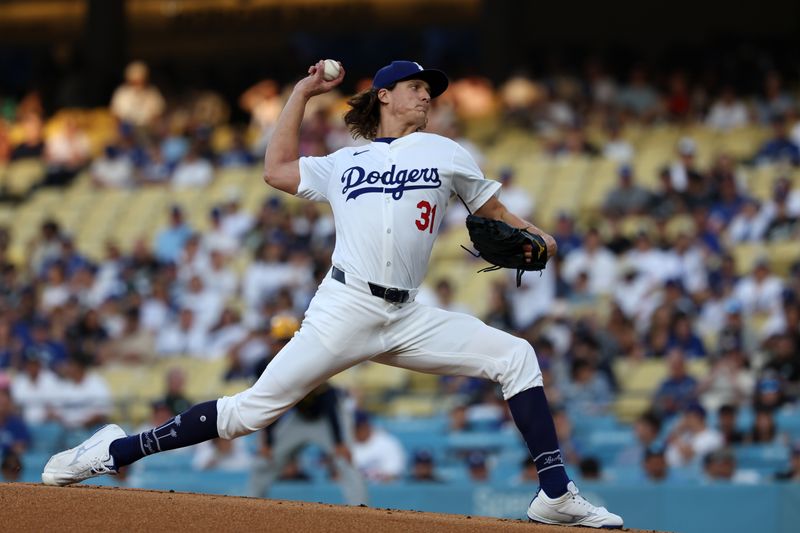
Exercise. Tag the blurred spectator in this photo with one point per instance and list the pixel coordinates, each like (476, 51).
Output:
(729, 381)
(266, 275)
(627, 198)
(5, 143)
(667, 200)
(170, 240)
(677, 101)
(760, 292)
(175, 398)
(498, 314)
(10, 466)
(10, 347)
(218, 277)
(136, 101)
(683, 338)
(565, 234)
(113, 169)
(235, 221)
(590, 469)
(570, 445)
(793, 472)
(774, 101)
(764, 430)
(784, 224)
(83, 400)
(66, 152)
(573, 143)
(14, 435)
(588, 393)
(377, 454)
(616, 147)
(748, 225)
(238, 154)
(45, 247)
(527, 473)
(423, 468)
(770, 392)
(156, 169)
(727, 424)
(477, 467)
(206, 305)
(134, 345)
(182, 337)
(44, 346)
(594, 259)
(193, 170)
(221, 455)
(684, 171)
(728, 112)
(784, 359)
(155, 309)
(655, 466)
(514, 197)
(34, 388)
(678, 390)
(638, 98)
(226, 333)
(488, 412)
(444, 297)
(32, 145)
(648, 431)
(691, 439)
(720, 466)
(264, 103)
(780, 148)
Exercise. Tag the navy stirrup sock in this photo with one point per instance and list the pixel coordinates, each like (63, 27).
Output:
(196, 424)
(532, 415)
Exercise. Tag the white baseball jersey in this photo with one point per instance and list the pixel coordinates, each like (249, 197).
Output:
(388, 201)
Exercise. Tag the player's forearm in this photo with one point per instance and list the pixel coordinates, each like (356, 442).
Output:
(495, 209)
(283, 150)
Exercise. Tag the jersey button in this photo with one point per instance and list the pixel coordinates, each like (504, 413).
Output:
(388, 263)
(389, 230)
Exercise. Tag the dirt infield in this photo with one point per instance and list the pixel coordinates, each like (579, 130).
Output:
(30, 507)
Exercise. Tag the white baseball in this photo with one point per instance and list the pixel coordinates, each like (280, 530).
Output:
(332, 70)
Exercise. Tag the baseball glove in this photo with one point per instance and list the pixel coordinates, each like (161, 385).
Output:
(504, 246)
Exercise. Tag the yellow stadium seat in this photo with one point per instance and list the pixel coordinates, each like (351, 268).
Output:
(782, 255)
(412, 406)
(745, 256)
(21, 176)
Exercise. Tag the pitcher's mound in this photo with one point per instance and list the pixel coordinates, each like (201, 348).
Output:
(29, 507)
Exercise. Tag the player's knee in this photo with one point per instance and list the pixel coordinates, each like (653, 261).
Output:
(522, 371)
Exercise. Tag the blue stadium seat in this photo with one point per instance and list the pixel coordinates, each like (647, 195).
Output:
(230, 483)
(762, 457)
(47, 437)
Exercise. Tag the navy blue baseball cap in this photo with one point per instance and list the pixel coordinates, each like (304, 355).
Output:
(410, 70)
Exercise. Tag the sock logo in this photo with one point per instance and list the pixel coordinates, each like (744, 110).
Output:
(547, 460)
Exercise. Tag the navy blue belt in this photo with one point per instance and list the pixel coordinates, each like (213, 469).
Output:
(390, 294)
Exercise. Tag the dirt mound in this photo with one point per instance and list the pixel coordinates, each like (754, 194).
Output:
(29, 507)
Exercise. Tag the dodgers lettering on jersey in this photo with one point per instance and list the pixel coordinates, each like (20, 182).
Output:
(392, 181)
(388, 202)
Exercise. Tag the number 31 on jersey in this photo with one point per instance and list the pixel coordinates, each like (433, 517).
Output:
(426, 217)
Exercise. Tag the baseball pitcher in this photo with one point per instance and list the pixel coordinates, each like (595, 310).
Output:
(388, 199)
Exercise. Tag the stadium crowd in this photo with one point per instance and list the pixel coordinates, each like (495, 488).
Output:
(671, 288)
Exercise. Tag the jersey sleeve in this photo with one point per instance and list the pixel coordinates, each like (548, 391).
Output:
(315, 174)
(468, 180)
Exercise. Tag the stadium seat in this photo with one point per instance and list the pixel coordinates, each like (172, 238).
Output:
(21, 176)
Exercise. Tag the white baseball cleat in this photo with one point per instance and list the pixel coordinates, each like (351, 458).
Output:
(571, 509)
(92, 458)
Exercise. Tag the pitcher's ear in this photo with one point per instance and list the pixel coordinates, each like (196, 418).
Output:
(383, 95)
